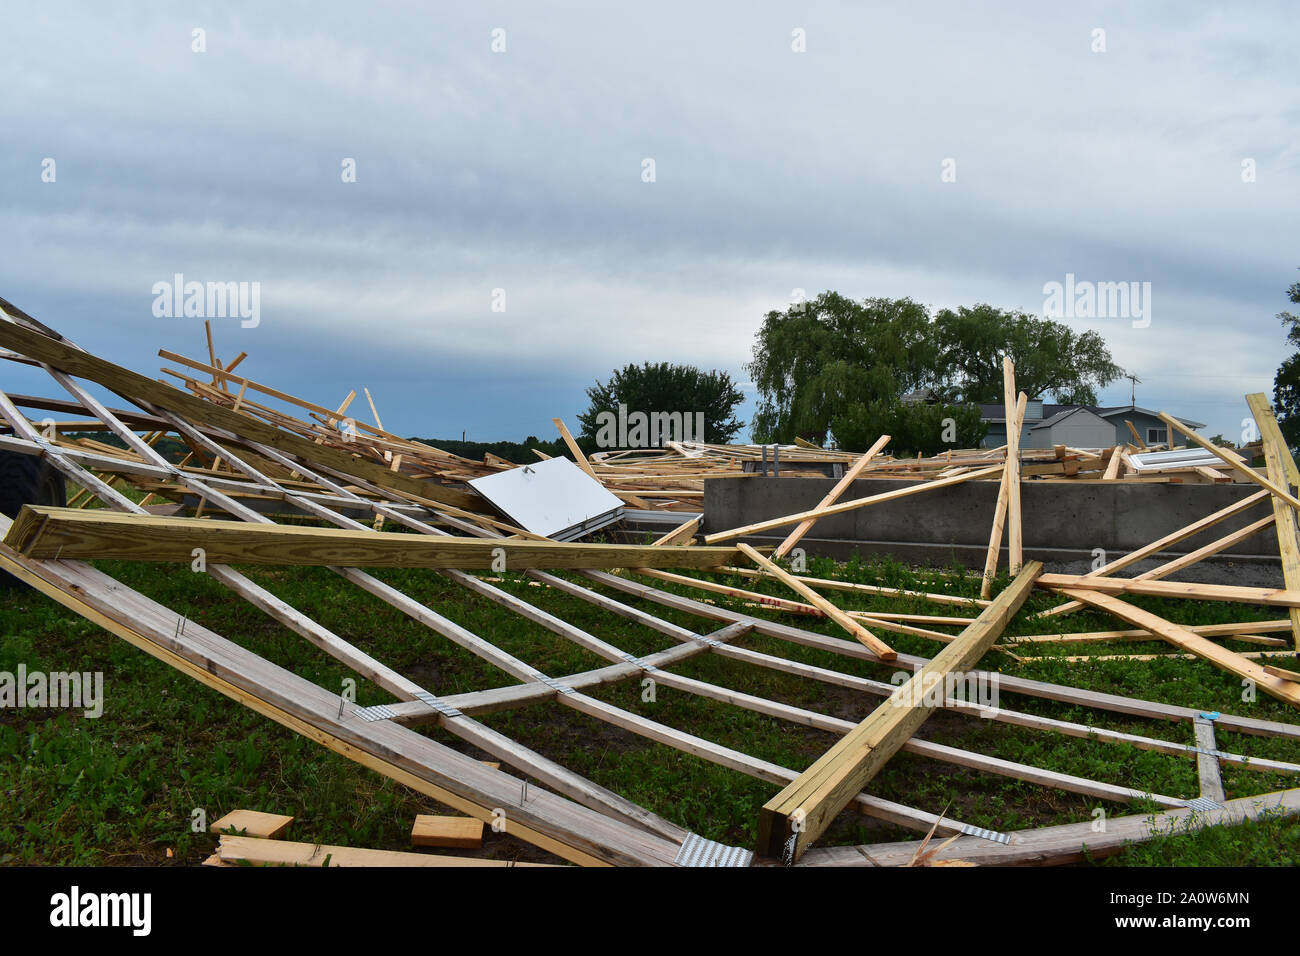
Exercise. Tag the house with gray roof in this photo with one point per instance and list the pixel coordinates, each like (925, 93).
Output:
(1079, 426)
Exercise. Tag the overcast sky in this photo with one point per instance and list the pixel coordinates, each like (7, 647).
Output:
(522, 171)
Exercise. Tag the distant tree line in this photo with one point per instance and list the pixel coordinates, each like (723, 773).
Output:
(518, 452)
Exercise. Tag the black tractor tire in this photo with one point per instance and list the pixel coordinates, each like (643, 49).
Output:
(27, 480)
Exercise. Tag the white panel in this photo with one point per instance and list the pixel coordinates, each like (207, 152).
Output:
(554, 498)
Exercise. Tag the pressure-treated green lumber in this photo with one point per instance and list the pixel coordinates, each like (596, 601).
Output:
(799, 814)
(42, 532)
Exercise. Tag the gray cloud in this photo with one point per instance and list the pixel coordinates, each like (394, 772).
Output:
(521, 171)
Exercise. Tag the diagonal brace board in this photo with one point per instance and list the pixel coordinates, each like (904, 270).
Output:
(1179, 636)
(826, 607)
(832, 496)
(799, 814)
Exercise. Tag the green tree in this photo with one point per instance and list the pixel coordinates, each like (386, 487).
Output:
(1286, 384)
(662, 387)
(1051, 358)
(833, 365)
(841, 367)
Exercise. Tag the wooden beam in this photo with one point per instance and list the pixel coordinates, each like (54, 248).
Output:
(1274, 597)
(98, 533)
(1067, 843)
(1113, 466)
(1015, 530)
(832, 496)
(285, 853)
(683, 534)
(1207, 765)
(801, 812)
(822, 604)
(1233, 462)
(846, 506)
(869, 588)
(1179, 636)
(574, 450)
(1000, 510)
(1282, 470)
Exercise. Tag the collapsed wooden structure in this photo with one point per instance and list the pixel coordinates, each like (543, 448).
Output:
(671, 477)
(257, 470)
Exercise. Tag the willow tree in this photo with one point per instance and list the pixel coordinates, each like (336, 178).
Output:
(835, 365)
(842, 367)
(1052, 359)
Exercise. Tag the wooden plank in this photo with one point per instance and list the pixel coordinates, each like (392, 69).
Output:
(1015, 528)
(801, 812)
(832, 496)
(1207, 765)
(1281, 469)
(1113, 466)
(585, 465)
(1066, 843)
(1000, 513)
(1282, 672)
(1196, 527)
(574, 450)
(460, 833)
(683, 534)
(816, 600)
(1276, 597)
(253, 823)
(1233, 462)
(845, 506)
(1220, 657)
(74, 533)
(285, 853)
(868, 588)
(1235, 631)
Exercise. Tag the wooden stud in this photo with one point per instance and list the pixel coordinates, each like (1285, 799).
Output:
(1179, 636)
(801, 812)
(816, 600)
(832, 496)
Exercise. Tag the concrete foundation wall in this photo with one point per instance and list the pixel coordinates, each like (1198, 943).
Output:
(1063, 521)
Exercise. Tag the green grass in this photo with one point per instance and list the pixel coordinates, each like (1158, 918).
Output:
(123, 789)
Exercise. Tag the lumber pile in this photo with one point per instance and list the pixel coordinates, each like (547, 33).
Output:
(304, 484)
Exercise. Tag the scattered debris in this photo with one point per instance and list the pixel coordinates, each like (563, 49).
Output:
(250, 467)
